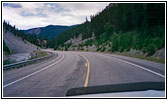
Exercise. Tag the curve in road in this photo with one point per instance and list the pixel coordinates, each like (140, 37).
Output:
(68, 70)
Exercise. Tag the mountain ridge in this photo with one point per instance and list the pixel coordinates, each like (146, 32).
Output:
(48, 31)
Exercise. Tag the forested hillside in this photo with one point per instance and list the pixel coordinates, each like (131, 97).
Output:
(120, 27)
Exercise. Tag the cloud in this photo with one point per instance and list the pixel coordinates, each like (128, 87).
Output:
(26, 14)
(30, 15)
(12, 5)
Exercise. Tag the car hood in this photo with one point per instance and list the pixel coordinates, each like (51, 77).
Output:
(137, 89)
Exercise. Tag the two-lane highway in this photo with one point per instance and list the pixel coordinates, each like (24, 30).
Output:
(67, 70)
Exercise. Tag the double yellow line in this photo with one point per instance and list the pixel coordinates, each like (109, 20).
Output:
(88, 71)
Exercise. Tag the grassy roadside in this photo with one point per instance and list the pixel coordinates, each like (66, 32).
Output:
(133, 56)
(141, 57)
(40, 53)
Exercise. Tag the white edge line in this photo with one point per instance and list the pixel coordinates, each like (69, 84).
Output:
(33, 73)
(137, 66)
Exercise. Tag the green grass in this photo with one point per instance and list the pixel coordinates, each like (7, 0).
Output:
(141, 57)
(40, 54)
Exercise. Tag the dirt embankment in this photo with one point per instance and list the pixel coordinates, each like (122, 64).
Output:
(17, 44)
(22, 49)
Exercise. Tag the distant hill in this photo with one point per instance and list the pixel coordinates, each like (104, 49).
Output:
(49, 31)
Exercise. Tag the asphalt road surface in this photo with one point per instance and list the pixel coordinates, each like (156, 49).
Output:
(54, 77)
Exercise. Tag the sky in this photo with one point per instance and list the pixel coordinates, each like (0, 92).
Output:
(28, 15)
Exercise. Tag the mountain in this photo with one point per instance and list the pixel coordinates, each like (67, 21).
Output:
(49, 31)
(120, 27)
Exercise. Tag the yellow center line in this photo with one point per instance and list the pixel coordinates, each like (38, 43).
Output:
(88, 71)
(86, 64)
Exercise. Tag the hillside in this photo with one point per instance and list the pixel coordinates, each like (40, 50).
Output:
(49, 31)
(119, 28)
(17, 49)
(16, 45)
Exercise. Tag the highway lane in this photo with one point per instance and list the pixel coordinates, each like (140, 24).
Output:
(77, 69)
(107, 70)
(53, 81)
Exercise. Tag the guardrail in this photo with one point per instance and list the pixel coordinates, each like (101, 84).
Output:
(27, 62)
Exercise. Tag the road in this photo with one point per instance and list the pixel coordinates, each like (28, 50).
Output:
(52, 78)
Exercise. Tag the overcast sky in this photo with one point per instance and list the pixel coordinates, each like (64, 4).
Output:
(29, 15)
